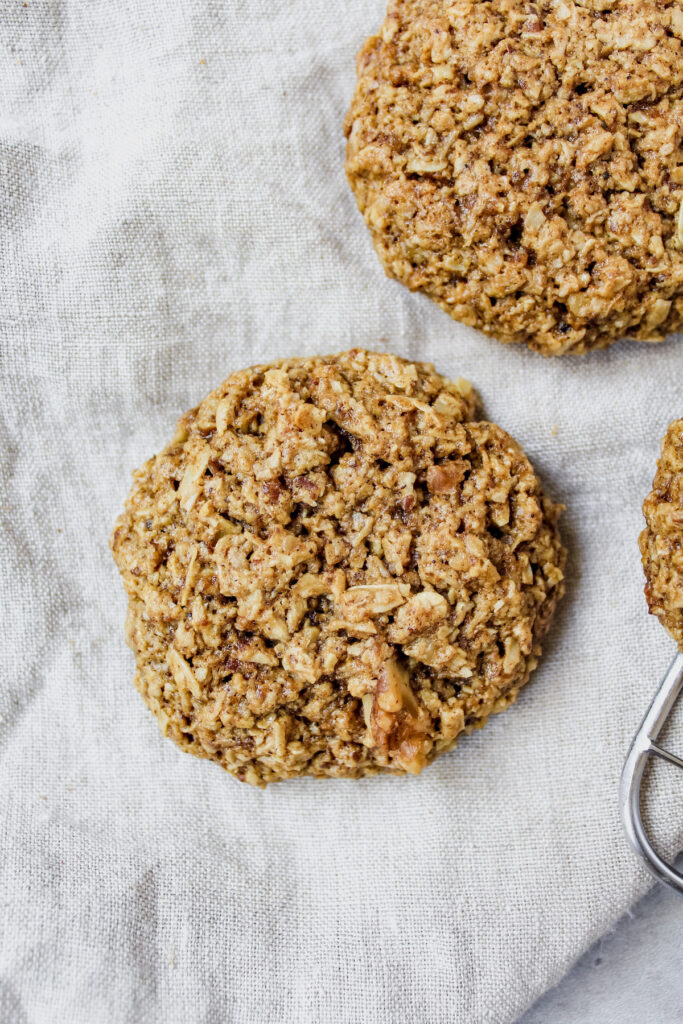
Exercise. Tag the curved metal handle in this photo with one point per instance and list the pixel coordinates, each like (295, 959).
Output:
(632, 776)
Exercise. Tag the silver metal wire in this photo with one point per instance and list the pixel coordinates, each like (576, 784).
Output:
(644, 745)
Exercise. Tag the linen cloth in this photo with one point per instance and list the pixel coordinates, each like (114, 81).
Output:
(172, 208)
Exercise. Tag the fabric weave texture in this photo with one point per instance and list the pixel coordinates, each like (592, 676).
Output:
(173, 207)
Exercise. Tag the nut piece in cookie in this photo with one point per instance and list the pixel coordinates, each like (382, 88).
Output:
(520, 164)
(661, 542)
(334, 569)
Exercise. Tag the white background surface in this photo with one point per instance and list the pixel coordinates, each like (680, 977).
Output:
(634, 975)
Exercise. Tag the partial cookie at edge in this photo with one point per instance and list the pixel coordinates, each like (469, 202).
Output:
(521, 165)
(661, 542)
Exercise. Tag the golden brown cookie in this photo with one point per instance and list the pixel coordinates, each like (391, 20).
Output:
(520, 164)
(334, 570)
(661, 542)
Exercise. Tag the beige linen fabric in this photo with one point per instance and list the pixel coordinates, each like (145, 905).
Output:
(173, 207)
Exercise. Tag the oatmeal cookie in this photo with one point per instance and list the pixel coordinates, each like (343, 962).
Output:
(334, 569)
(520, 163)
(661, 542)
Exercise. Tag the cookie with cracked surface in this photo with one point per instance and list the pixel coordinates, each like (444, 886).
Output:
(520, 164)
(661, 542)
(335, 569)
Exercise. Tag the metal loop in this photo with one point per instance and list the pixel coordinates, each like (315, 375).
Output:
(644, 746)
